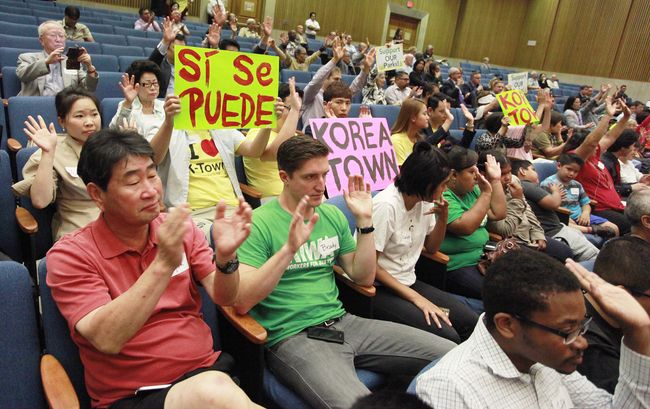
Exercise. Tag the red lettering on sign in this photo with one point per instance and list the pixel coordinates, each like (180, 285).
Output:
(187, 63)
(516, 98)
(225, 113)
(259, 112)
(211, 116)
(207, 65)
(239, 64)
(262, 73)
(247, 109)
(196, 100)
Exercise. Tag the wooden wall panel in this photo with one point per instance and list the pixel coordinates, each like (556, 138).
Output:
(537, 26)
(443, 17)
(633, 58)
(586, 35)
(364, 18)
(489, 28)
(194, 8)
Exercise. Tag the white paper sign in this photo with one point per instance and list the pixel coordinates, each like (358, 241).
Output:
(519, 80)
(390, 58)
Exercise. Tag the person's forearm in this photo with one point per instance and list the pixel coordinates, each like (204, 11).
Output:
(498, 201)
(588, 147)
(111, 326)
(160, 142)
(287, 131)
(254, 148)
(471, 219)
(255, 284)
(42, 190)
(508, 226)
(434, 239)
(638, 339)
(387, 280)
(586, 210)
(364, 266)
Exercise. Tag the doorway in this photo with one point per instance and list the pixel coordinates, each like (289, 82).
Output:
(409, 26)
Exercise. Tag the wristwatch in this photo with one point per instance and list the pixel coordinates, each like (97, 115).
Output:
(229, 267)
(365, 230)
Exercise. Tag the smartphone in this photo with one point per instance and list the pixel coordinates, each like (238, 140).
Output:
(325, 334)
(72, 63)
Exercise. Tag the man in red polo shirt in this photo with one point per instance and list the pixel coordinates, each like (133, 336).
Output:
(127, 285)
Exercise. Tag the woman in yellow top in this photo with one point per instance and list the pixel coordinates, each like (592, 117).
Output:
(262, 172)
(412, 118)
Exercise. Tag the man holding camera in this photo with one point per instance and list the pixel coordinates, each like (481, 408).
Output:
(49, 71)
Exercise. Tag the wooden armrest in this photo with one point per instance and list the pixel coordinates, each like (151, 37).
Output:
(14, 145)
(340, 275)
(563, 210)
(5, 102)
(245, 324)
(59, 392)
(438, 257)
(593, 203)
(26, 221)
(495, 237)
(250, 191)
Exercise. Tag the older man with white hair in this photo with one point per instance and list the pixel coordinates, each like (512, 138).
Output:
(250, 31)
(49, 71)
(451, 87)
(637, 211)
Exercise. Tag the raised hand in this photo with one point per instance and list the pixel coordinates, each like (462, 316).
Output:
(492, 169)
(624, 108)
(129, 125)
(55, 56)
(431, 311)
(364, 112)
(267, 26)
(172, 106)
(615, 301)
(129, 88)
(483, 183)
(294, 98)
(329, 113)
(42, 135)
(359, 200)
(230, 232)
(170, 237)
(169, 34)
(505, 121)
(416, 92)
(610, 108)
(217, 15)
(214, 34)
(440, 208)
(468, 115)
(299, 231)
(338, 50)
(369, 60)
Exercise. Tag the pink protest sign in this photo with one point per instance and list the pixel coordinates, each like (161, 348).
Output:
(360, 146)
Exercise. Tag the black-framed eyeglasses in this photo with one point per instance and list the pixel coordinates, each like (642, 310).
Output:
(152, 84)
(569, 337)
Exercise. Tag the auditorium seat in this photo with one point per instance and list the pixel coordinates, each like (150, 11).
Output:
(25, 43)
(390, 112)
(108, 85)
(128, 31)
(10, 83)
(105, 62)
(301, 76)
(97, 28)
(116, 39)
(108, 109)
(9, 56)
(20, 108)
(18, 18)
(142, 41)
(27, 30)
(126, 60)
(119, 50)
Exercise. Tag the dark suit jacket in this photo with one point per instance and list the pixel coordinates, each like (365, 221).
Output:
(166, 69)
(449, 88)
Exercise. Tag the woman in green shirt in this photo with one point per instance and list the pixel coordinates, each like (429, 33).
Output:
(473, 199)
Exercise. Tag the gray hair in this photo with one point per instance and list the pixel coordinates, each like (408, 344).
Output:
(454, 70)
(637, 205)
(43, 27)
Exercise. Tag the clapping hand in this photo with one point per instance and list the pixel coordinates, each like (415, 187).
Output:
(299, 231)
(492, 169)
(42, 135)
(230, 232)
(214, 34)
(170, 237)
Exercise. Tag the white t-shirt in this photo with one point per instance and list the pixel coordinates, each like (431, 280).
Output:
(629, 173)
(311, 23)
(400, 234)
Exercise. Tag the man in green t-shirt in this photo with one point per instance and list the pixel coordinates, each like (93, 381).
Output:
(287, 284)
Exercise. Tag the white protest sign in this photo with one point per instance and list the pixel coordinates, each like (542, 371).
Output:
(519, 80)
(390, 58)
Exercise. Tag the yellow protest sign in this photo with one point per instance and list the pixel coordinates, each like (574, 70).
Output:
(515, 105)
(224, 89)
(182, 4)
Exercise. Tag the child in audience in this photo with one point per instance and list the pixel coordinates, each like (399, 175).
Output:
(576, 200)
(545, 205)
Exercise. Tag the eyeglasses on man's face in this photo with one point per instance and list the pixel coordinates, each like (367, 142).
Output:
(569, 337)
